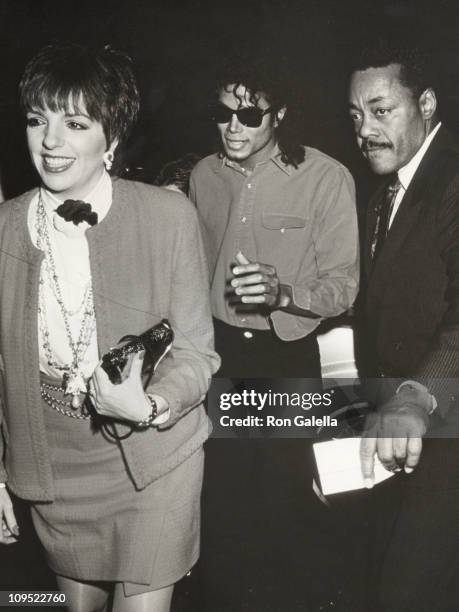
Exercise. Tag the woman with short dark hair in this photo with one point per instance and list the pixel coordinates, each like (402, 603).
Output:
(87, 260)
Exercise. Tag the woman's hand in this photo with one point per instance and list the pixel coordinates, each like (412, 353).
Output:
(126, 401)
(9, 530)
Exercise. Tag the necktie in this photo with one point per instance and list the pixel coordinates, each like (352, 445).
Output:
(77, 211)
(383, 218)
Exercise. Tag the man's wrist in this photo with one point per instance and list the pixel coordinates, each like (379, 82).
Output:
(286, 303)
(429, 402)
(285, 297)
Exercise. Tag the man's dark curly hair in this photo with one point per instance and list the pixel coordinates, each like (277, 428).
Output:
(415, 67)
(266, 76)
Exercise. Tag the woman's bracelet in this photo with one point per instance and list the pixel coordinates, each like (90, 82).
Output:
(149, 421)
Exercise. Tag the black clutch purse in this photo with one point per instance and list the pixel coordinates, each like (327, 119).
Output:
(156, 342)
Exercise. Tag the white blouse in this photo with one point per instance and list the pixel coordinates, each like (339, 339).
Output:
(71, 256)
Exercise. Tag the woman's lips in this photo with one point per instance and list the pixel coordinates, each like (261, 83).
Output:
(57, 164)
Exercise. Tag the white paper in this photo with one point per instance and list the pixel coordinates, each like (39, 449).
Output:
(338, 464)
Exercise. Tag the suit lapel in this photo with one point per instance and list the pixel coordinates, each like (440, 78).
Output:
(404, 222)
(410, 207)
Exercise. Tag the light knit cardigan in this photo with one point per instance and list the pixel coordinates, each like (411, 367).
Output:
(147, 262)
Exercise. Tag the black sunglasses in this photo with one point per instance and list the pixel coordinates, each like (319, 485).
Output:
(250, 117)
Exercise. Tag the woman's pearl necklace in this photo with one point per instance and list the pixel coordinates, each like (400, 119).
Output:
(73, 375)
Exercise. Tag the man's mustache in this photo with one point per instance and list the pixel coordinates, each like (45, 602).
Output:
(373, 145)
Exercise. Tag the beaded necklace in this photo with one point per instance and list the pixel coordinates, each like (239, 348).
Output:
(73, 376)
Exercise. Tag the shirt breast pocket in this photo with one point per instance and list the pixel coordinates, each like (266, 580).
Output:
(285, 239)
(282, 222)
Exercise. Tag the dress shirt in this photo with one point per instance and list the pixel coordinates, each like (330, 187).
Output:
(405, 174)
(300, 220)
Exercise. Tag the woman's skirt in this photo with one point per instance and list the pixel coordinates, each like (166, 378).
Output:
(100, 528)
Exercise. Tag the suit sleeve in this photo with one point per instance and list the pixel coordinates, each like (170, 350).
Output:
(439, 370)
(183, 377)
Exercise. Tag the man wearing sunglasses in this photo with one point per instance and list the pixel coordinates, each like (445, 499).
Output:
(279, 224)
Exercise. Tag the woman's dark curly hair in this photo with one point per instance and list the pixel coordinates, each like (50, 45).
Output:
(65, 74)
(263, 75)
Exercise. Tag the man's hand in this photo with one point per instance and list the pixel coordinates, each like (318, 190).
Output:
(126, 401)
(256, 283)
(395, 433)
(9, 530)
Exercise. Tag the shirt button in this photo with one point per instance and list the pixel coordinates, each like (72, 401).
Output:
(282, 230)
(243, 219)
(248, 335)
(249, 185)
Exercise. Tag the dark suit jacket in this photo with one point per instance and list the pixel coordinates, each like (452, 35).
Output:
(412, 297)
(412, 300)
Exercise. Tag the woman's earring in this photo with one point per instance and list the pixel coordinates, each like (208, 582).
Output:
(108, 158)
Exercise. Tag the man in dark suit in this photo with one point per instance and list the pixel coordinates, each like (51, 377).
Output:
(412, 329)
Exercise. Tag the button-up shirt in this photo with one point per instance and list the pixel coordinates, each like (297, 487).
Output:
(300, 220)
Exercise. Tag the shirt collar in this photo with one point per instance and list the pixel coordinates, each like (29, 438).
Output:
(100, 197)
(275, 157)
(405, 174)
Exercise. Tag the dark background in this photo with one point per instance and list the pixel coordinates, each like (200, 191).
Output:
(176, 46)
